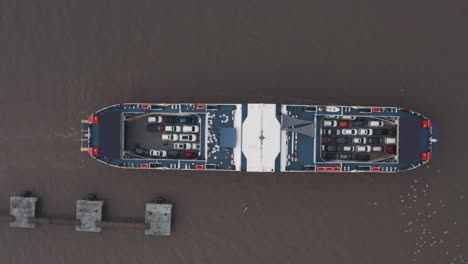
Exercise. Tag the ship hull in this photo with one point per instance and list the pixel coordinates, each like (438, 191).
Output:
(259, 137)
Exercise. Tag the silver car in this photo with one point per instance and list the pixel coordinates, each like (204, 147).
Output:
(182, 146)
(363, 148)
(350, 132)
(172, 128)
(376, 123)
(169, 137)
(158, 153)
(359, 140)
(365, 131)
(330, 123)
(154, 119)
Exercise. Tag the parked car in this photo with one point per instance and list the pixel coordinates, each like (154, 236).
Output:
(332, 109)
(188, 119)
(158, 153)
(376, 123)
(187, 137)
(170, 137)
(347, 117)
(344, 123)
(190, 155)
(362, 157)
(391, 149)
(155, 119)
(331, 131)
(330, 156)
(390, 140)
(330, 148)
(342, 140)
(359, 123)
(182, 146)
(359, 140)
(345, 156)
(171, 119)
(327, 140)
(330, 123)
(190, 129)
(175, 154)
(363, 148)
(349, 132)
(172, 129)
(347, 148)
(375, 140)
(365, 131)
(380, 131)
(155, 127)
(196, 146)
(140, 151)
(377, 148)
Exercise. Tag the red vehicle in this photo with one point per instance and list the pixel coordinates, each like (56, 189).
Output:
(152, 127)
(344, 123)
(190, 155)
(328, 140)
(391, 149)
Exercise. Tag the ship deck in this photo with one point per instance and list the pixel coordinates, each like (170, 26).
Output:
(264, 137)
(137, 134)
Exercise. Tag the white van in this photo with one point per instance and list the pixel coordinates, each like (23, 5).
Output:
(389, 140)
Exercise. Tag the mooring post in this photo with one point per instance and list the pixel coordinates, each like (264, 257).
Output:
(23, 211)
(158, 218)
(88, 214)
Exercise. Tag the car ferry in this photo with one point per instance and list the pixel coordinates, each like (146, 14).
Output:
(259, 137)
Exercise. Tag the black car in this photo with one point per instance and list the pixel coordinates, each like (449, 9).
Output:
(330, 156)
(151, 127)
(331, 148)
(359, 123)
(175, 154)
(346, 157)
(330, 132)
(342, 140)
(380, 131)
(362, 157)
(140, 151)
(171, 119)
(375, 140)
(392, 132)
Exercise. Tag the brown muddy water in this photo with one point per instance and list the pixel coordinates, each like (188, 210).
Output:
(61, 60)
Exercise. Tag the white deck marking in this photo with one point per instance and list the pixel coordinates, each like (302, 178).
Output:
(261, 133)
